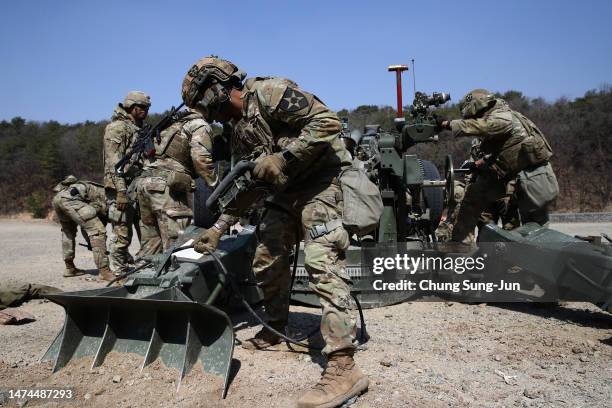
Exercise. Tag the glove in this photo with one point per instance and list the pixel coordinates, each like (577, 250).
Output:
(122, 201)
(271, 169)
(208, 241)
(439, 121)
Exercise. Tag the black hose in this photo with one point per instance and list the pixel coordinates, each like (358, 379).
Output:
(250, 309)
(296, 252)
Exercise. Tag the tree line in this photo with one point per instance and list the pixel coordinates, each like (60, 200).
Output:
(35, 156)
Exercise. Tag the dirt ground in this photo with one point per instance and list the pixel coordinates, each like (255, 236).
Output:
(438, 354)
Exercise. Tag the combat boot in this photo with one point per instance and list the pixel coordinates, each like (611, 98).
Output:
(341, 381)
(264, 338)
(105, 273)
(72, 270)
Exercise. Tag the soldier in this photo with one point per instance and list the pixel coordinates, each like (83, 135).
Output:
(13, 294)
(305, 173)
(183, 153)
(82, 203)
(514, 143)
(127, 120)
(504, 209)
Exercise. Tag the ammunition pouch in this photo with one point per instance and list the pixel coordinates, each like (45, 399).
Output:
(537, 187)
(174, 146)
(179, 182)
(87, 212)
(179, 212)
(362, 202)
(533, 152)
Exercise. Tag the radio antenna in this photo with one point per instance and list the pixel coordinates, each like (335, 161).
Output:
(413, 77)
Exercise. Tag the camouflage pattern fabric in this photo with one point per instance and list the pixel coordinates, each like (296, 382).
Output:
(505, 210)
(279, 116)
(513, 142)
(277, 113)
(479, 195)
(164, 213)
(83, 204)
(14, 294)
(183, 153)
(324, 262)
(122, 231)
(119, 135)
(444, 230)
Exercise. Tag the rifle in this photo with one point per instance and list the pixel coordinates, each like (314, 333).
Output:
(87, 241)
(143, 145)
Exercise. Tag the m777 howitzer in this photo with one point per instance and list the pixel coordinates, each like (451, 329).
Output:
(174, 308)
(411, 187)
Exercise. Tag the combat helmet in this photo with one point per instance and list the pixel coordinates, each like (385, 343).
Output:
(476, 102)
(208, 82)
(136, 98)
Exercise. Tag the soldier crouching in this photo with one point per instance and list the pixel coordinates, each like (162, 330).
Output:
(82, 203)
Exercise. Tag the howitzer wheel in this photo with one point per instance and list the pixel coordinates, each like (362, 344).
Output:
(434, 196)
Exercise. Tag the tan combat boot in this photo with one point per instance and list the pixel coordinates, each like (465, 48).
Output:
(341, 381)
(71, 270)
(263, 339)
(105, 273)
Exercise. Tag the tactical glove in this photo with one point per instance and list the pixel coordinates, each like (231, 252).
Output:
(122, 201)
(208, 241)
(440, 122)
(271, 169)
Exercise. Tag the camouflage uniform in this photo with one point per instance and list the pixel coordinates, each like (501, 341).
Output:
(119, 135)
(279, 116)
(505, 210)
(184, 152)
(14, 294)
(513, 147)
(82, 203)
(444, 230)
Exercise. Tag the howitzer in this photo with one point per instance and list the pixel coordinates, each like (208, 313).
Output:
(144, 143)
(411, 188)
(172, 309)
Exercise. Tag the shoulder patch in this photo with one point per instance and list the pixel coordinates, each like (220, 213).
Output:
(293, 100)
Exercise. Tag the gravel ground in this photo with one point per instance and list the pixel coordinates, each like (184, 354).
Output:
(421, 354)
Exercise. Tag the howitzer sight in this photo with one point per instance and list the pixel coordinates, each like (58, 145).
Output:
(420, 126)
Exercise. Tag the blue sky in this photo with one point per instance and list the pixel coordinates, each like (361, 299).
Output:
(74, 60)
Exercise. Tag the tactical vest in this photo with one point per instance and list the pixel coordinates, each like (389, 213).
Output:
(173, 145)
(254, 135)
(525, 145)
